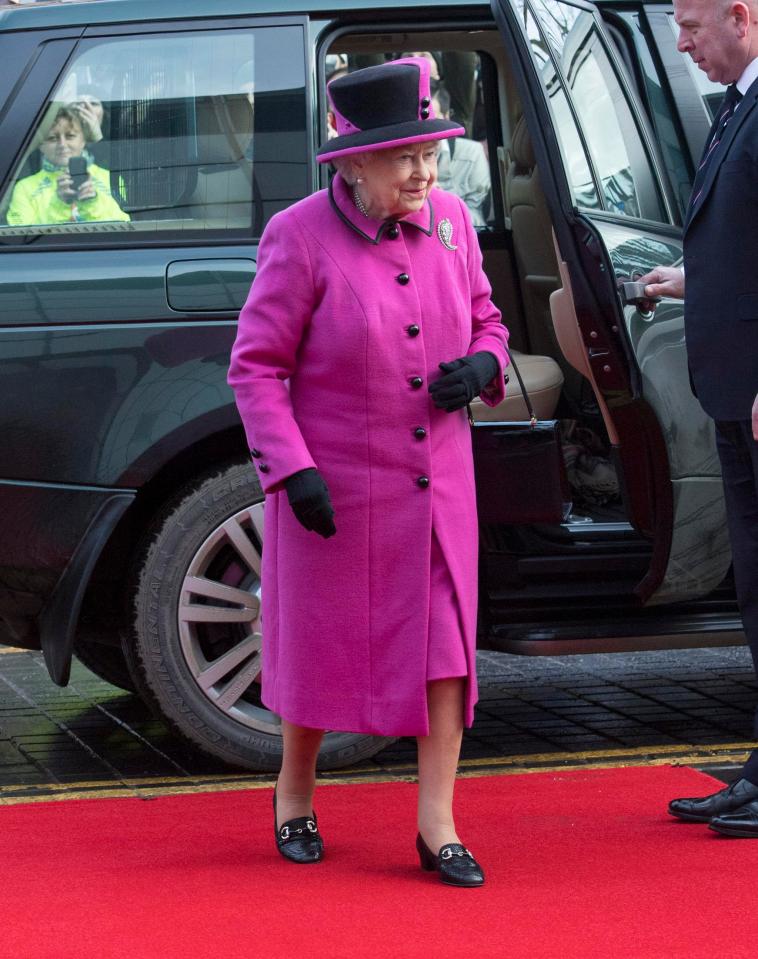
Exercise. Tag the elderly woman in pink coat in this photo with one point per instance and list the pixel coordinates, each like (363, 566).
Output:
(368, 329)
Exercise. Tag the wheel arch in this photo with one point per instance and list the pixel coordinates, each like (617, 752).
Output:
(106, 601)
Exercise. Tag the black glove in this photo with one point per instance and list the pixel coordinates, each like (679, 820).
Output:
(464, 379)
(309, 499)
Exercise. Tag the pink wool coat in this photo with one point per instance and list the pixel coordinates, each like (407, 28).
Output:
(346, 314)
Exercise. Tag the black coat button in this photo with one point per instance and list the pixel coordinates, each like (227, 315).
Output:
(393, 232)
(417, 382)
(425, 102)
(255, 453)
(424, 114)
(414, 329)
(422, 481)
(403, 278)
(264, 468)
(419, 432)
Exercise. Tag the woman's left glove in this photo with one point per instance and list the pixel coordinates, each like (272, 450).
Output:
(464, 379)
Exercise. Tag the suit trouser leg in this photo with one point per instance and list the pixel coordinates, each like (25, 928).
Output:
(738, 452)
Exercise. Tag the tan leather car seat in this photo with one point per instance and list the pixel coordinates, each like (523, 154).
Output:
(538, 271)
(543, 381)
(532, 242)
(531, 225)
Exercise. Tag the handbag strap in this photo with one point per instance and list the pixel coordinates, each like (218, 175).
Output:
(529, 407)
(527, 401)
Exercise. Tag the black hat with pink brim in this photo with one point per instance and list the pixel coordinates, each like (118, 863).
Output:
(383, 107)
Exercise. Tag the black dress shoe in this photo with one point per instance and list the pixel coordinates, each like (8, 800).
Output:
(725, 801)
(742, 823)
(299, 839)
(454, 863)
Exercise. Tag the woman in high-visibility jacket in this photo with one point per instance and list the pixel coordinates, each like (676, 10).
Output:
(51, 195)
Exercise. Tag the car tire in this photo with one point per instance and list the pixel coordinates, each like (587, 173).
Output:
(106, 662)
(196, 636)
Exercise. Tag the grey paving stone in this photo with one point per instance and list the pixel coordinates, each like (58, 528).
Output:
(528, 706)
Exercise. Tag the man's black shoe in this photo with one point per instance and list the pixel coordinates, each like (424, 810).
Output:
(727, 800)
(743, 823)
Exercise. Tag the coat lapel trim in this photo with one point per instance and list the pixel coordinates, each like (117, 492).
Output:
(369, 228)
(732, 128)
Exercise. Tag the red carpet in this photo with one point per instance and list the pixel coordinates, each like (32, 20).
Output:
(579, 864)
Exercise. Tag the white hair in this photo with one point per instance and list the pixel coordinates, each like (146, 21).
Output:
(349, 170)
(346, 166)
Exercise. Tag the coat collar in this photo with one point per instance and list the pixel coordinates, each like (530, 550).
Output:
(341, 199)
(747, 105)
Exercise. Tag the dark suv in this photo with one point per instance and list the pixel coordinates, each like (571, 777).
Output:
(146, 146)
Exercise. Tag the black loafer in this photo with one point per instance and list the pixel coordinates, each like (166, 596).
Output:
(725, 801)
(741, 824)
(454, 863)
(299, 839)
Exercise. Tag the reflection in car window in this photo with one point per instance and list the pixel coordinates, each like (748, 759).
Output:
(605, 138)
(69, 186)
(617, 154)
(575, 159)
(659, 108)
(197, 131)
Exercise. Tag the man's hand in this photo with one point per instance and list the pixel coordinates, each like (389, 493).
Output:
(755, 419)
(664, 281)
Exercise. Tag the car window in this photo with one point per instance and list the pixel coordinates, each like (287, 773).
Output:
(634, 43)
(712, 93)
(622, 169)
(156, 134)
(576, 162)
(458, 92)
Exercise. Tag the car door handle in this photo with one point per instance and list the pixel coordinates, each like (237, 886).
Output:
(632, 293)
(209, 285)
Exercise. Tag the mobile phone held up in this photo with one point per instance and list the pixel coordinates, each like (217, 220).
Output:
(77, 170)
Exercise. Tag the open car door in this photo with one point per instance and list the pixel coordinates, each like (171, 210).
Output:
(615, 218)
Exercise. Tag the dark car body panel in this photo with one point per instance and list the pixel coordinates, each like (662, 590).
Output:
(43, 525)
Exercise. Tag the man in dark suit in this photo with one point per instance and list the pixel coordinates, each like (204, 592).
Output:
(720, 273)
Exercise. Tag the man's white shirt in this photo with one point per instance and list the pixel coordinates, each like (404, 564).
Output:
(749, 75)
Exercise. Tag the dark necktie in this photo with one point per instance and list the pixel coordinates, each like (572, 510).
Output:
(731, 99)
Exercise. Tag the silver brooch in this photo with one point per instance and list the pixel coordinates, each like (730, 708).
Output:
(445, 233)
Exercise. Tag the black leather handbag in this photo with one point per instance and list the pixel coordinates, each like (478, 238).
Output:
(519, 469)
